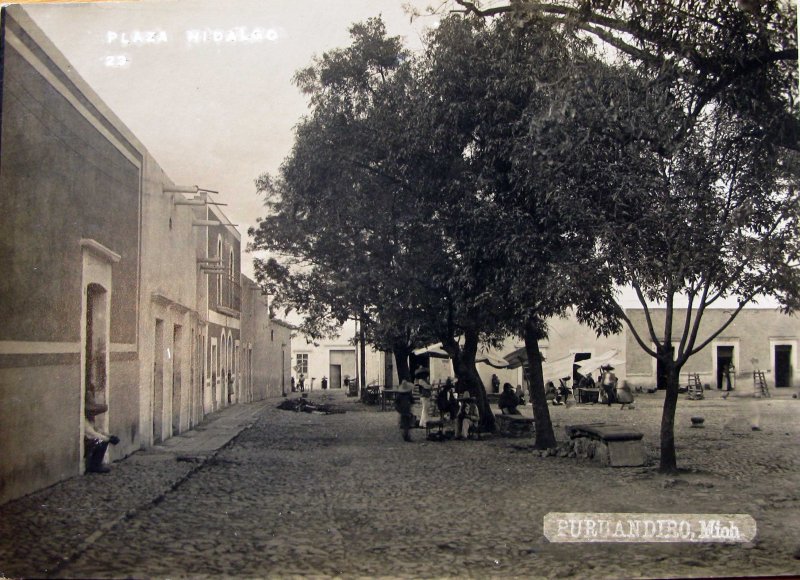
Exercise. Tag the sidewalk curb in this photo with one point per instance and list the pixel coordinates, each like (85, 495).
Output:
(199, 460)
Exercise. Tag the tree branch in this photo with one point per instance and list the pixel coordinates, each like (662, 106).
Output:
(635, 332)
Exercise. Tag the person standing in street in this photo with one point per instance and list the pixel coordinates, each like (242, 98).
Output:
(609, 384)
(425, 390)
(404, 401)
(729, 371)
(495, 384)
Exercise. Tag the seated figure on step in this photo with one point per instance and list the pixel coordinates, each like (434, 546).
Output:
(95, 439)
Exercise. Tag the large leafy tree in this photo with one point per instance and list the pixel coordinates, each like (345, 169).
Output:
(490, 83)
(336, 222)
(695, 206)
(735, 54)
(686, 157)
(353, 219)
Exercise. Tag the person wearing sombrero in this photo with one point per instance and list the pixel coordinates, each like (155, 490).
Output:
(404, 401)
(95, 440)
(608, 382)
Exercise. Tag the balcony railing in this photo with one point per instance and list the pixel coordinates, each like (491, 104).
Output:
(229, 294)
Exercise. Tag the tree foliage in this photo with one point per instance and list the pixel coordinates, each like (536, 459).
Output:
(688, 202)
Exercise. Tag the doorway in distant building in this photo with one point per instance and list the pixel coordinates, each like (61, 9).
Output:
(388, 369)
(177, 343)
(336, 377)
(783, 365)
(158, 381)
(214, 366)
(346, 362)
(724, 358)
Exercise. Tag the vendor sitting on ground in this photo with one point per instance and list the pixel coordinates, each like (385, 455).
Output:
(96, 440)
(520, 394)
(446, 401)
(508, 401)
(468, 415)
(550, 392)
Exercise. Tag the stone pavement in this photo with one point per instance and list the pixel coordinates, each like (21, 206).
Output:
(42, 532)
(299, 494)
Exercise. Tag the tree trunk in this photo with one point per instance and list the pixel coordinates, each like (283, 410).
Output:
(669, 463)
(545, 437)
(402, 352)
(467, 374)
(664, 352)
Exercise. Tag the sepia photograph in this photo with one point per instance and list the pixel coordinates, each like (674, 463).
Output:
(399, 289)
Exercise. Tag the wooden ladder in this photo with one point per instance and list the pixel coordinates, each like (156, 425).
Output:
(760, 388)
(695, 389)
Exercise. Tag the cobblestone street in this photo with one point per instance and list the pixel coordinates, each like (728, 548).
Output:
(343, 495)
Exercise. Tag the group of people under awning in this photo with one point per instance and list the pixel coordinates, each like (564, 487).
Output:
(608, 388)
(453, 403)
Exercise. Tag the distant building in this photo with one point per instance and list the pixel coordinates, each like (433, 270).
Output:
(337, 360)
(268, 344)
(758, 339)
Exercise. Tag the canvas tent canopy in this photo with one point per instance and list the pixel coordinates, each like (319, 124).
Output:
(591, 365)
(562, 367)
(488, 358)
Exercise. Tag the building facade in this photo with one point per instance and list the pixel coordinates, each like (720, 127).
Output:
(337, 359)
(268, 344)
(70, 201)
(118, 282)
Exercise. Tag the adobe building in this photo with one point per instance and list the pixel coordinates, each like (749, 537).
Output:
(759, 339)
(268, 344)
(118, 282)
(337, 359)
(70, 197)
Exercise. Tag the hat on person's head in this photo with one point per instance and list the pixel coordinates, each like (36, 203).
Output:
(607, 368)
(405, 387)
(421, 372)
(465, 396)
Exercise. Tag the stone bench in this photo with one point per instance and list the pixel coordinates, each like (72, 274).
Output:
(514, 425)
(614, 445)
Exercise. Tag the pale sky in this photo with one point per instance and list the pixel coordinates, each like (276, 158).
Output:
(206, 85)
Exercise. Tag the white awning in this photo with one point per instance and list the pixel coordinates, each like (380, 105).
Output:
(591, 365)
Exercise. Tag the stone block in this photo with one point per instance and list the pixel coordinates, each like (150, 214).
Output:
(625, 453)
(515, 426)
